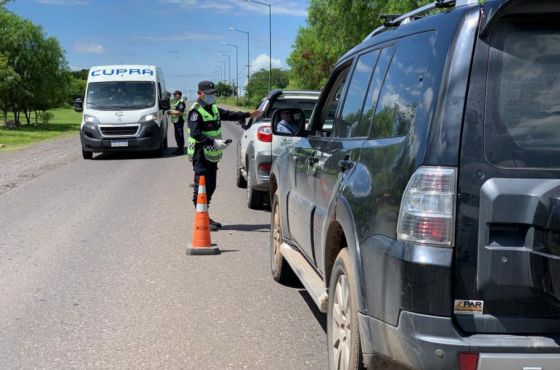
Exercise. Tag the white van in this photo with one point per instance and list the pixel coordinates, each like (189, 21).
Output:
(125, 108)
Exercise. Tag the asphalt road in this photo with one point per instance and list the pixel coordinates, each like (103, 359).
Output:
(93, 274)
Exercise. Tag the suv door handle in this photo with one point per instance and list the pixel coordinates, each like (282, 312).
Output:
(345, 164)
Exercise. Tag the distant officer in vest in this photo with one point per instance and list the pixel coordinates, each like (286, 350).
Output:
(206, 145)
(178, 109)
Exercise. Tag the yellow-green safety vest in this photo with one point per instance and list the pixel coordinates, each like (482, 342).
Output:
(210, 152)
(175, 106)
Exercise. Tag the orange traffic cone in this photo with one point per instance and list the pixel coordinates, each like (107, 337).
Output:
(201, 242)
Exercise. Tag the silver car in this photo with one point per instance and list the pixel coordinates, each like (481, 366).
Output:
(257, 150)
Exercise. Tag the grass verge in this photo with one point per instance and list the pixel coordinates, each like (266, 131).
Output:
(64, 122)
(241, 104)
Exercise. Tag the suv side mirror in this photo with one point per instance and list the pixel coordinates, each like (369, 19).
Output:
(164, 104)
(79, 105)
(288, 122)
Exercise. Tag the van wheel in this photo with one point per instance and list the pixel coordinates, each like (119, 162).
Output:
(161, 150)
(254, 197)
(279, 267)
(342, 317)
(87, 155)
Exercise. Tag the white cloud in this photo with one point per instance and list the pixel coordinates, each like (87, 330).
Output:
(63, 2)
(181, 37)
(262, 62)
(279, 7)
(89, 47)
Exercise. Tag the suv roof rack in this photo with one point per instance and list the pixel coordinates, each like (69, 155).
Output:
(392, 20)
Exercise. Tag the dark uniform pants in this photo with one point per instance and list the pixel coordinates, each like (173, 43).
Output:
(179, 133)
(210, 173)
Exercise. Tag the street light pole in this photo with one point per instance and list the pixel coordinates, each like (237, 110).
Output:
(229, 65)
(269, 40)
(236, 69)
(219, 72)
(248, 54)
(224, 68)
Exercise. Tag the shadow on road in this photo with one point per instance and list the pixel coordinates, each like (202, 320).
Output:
(248, 227)
(107, 156)
(319, 316)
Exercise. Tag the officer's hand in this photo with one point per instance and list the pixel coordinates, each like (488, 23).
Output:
(220, 144)
(256, 114)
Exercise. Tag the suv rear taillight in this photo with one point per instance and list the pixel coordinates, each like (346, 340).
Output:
(264, 134)
(427, 213)
(468, 361)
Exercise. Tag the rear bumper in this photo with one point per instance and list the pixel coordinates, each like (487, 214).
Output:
(433, 343)
(149, 138)
(407, 310)
(262, 178)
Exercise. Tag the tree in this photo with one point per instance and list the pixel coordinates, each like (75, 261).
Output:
(258, 83)
(224, 90)
(77, 84)
(38, 61)
(9, 80)
(334, 27)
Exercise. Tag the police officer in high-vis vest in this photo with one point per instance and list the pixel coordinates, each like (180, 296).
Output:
(205, 143)
(178, 108)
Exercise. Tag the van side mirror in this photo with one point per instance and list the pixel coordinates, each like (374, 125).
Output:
(164, 104)
(288, 122)
(79, 105)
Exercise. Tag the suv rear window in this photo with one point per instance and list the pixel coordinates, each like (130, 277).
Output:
(522, 119)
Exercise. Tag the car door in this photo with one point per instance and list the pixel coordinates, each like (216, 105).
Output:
(248, 134)
(301, 204)
(337, 154)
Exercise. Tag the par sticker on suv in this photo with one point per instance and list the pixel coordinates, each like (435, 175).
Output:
(467, 307)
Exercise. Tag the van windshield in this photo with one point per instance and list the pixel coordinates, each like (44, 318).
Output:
(522, 120)
(127, 95)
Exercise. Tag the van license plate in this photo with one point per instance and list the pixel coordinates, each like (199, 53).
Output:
(118, 144)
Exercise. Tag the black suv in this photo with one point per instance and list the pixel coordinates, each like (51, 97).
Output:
(421, 206)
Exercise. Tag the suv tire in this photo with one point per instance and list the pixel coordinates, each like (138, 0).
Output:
(87, 155)
(281, 271)
(254, 197)
(343, 335)
(239, 179)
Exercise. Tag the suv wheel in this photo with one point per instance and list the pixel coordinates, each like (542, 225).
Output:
(342, 317)
(254, 197)
(279, 267)
(239, 179)
(87, 155)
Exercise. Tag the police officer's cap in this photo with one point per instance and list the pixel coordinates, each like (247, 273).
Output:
(207, 87)
(177, 92)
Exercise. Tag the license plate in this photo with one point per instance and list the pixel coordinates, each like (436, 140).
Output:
(118, 144)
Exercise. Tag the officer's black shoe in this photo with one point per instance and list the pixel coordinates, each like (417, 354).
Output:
(213, 227)
(179, 151)
(217, 225)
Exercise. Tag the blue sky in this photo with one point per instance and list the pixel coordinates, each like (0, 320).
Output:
(181, 36)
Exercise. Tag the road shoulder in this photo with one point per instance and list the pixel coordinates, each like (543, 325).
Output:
(23, 165)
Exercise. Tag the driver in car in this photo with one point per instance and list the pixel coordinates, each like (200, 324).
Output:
(287, 125)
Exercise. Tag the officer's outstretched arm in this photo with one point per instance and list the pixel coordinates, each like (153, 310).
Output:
(228, 115)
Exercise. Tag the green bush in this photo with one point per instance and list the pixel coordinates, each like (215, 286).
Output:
(45, 117)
